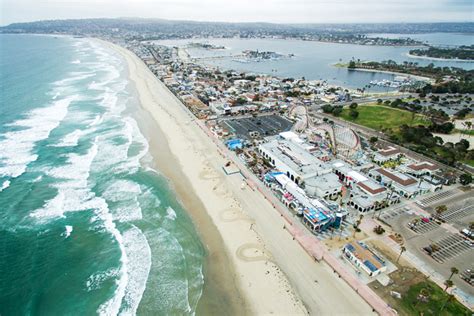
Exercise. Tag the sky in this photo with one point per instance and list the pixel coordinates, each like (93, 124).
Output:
(279, 11)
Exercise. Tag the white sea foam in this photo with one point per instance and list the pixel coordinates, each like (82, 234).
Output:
(175, 294)
(139, 254)
(125, 194)
(73, 193)
(112, 306)
(5, 185)
(95, 281)
(37, 179)
(73, 77)
(170, 213)
(97, 120)
(121, 190)
(71, 139)
(68, 231)
(77, 61)
(17, 146)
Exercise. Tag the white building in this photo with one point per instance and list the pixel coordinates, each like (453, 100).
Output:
(388, 154)
(362, 257)
(402, 184)
(290, 155)
(324, 186)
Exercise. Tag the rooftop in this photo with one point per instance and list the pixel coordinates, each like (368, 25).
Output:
(389, 151)
(296, 157)
(364, 254)
(397, 176)
(371, 187)
(324, 182)
(423, 165)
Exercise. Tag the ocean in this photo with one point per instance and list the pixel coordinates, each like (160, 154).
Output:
(86, 225)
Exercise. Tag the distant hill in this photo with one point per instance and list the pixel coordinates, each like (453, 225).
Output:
(171, 28)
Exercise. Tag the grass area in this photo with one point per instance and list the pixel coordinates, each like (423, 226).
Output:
(341, 65)
(409, 282)
(436, 303)
(467, 132)
(469, 162)
(379, 117)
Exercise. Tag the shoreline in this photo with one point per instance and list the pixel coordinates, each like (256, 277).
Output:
(393, 73)
(440, 59)
(270, 267)
(223, 291)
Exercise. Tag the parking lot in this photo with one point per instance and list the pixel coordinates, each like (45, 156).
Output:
(422, 227)
(432, 199)
(392, 213)
(458, 212)
(450, 247)
(263, 125)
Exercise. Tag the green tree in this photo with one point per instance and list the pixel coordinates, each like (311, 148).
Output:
(352, 64)
(327, 108)
(357, 224)
(440, 209)
(402, 250)
(448, 284)
(454, 271)
(353, 105)
(337, 111)
(465, 179)
(354, 114)
(448, 300)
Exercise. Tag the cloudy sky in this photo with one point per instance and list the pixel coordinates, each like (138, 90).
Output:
(292, 11)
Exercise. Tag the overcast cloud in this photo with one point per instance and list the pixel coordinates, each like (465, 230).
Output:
(285, 11)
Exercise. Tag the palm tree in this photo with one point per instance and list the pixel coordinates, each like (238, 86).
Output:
(454, 271)
(440, 209)
(356, 226)
(376, 206)
(434, 248)
(448, 284)
(449, 299)
(402, 250)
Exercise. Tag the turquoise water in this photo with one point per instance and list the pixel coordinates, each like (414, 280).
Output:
(315, 60)
(86, 226)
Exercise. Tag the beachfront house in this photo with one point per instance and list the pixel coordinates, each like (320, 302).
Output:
(362, 257)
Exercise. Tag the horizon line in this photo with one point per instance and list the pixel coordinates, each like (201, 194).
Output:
(230, 22)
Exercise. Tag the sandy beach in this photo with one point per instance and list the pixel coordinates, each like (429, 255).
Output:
(255, 266)
(396, 74)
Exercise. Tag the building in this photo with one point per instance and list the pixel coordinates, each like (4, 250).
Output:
(403, 184)
(369, 196)
(362, 257)
(388, 154)
(326, 186)
(290, 155)
(421, 169)
(318, 219)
